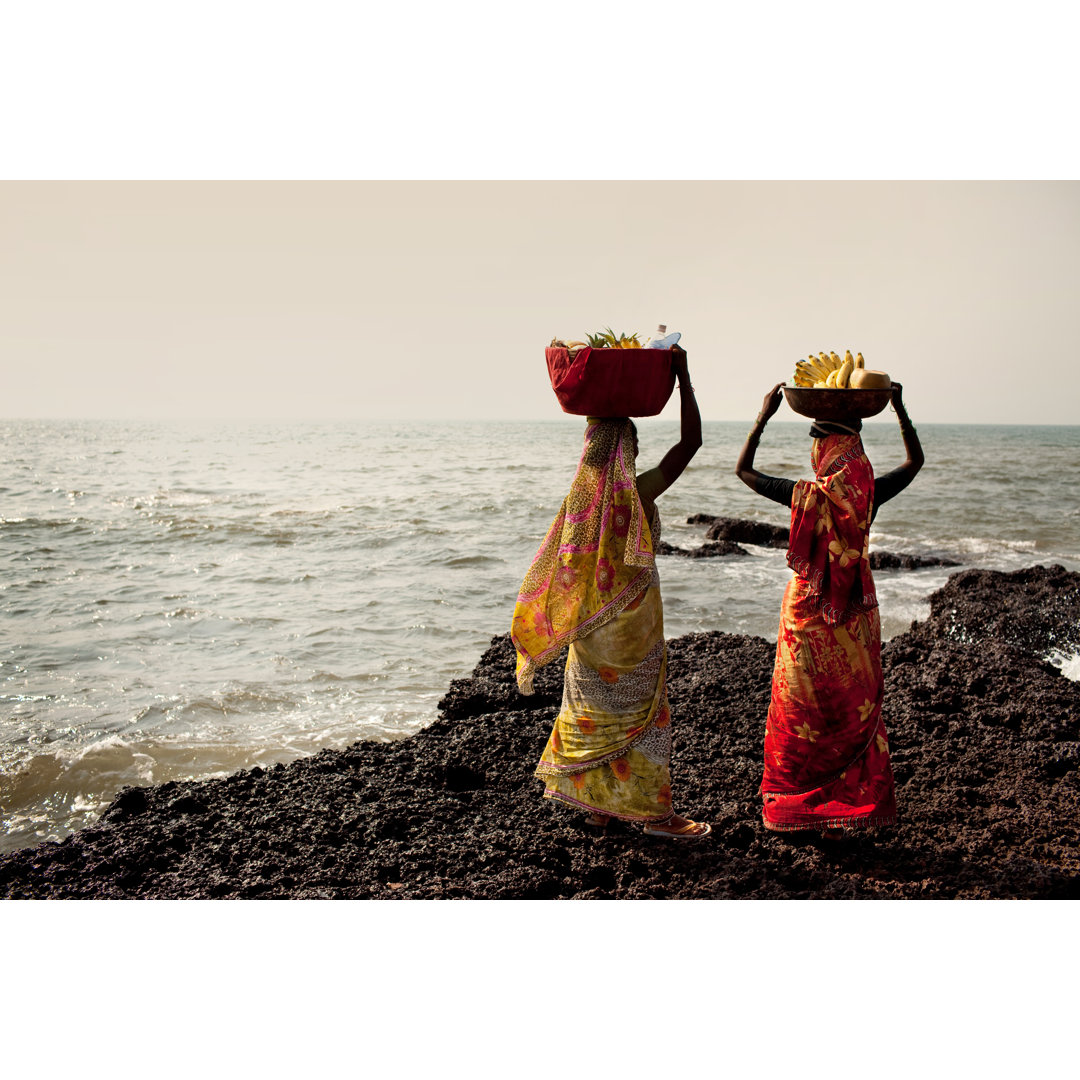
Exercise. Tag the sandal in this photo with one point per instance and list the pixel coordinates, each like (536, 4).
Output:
(597, 821)
(692, 830)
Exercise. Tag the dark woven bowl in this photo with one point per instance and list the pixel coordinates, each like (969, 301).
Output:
(839, 405)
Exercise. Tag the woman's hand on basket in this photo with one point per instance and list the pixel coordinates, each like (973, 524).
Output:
(897, 396)
(678, 361)
(771, 402)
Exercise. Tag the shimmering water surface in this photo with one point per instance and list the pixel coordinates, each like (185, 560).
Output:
(185, 601)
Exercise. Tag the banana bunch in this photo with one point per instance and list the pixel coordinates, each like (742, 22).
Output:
(573, 347)
(827, 370)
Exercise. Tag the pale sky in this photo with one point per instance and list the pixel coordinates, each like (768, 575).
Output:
(435, 299)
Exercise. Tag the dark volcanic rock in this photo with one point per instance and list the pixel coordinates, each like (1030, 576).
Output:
(986, 747)
(742, 531)
(884, 560)
(705, 551)
(1037, 609)
(492, 686)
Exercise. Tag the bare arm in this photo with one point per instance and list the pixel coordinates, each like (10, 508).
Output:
(915, 459)
(892, 483)
(654, 482)
(744, 467)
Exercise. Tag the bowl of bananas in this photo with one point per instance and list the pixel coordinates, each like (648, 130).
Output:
(828, 388)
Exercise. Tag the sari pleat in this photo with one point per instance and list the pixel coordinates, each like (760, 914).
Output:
(610, 747)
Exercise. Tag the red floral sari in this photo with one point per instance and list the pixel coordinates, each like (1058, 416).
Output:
(826, 749)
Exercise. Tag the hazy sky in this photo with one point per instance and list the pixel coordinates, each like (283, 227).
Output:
(253, 299)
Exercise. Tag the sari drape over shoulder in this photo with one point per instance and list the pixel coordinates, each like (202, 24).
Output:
(593, 586)
(826, 748)
(596, 559)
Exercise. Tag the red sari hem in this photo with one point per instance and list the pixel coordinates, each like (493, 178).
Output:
(844, 821)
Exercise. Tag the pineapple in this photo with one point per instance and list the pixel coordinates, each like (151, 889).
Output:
(608, 339)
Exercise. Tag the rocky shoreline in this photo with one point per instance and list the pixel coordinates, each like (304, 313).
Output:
(986, 748)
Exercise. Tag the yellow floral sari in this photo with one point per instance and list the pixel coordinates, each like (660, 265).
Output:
(593, 585)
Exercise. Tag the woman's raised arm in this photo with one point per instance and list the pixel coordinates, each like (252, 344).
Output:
(892, 483)
(744, 467)
(915, 458)
(654, 482)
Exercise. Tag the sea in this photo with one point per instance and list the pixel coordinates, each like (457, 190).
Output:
(182, 600)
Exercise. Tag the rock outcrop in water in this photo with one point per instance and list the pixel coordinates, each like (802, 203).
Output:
(986, 748)
(884, 560)
(709, 550)
(741, 530)
(724, 535)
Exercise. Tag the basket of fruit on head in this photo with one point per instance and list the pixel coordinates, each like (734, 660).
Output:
(610, 375)
(828, 388)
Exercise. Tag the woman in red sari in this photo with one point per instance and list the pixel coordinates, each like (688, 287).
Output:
(826, 748)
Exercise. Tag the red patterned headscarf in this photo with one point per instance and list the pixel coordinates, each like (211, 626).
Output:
(597, 556)
(830, 528)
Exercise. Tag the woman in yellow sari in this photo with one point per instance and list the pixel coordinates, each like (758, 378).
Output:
(593, 586)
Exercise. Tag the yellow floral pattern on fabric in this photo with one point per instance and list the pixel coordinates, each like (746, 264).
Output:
(596, 559)
(610, 747)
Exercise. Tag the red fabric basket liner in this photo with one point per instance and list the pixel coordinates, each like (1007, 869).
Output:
(612, 382)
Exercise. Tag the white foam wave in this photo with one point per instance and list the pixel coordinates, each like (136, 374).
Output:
(985, 545)
(82, 804)
(109, 755)
(1067, 663)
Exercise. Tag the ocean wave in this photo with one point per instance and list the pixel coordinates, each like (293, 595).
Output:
(987, 545)
(75, 524)
(113, 747)
(1067, 663)
(82, 804)
(469, 560)
(364, 677)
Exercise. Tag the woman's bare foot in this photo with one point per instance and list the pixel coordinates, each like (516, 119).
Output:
(600, 821)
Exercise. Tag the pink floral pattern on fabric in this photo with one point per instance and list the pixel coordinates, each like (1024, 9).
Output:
(605, 575)
(620, 520)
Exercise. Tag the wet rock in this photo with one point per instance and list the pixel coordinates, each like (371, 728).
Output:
(740, 530)
(1037, 609)
(985, 738)
(884, 560)
(705, 551)
(128, 802)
